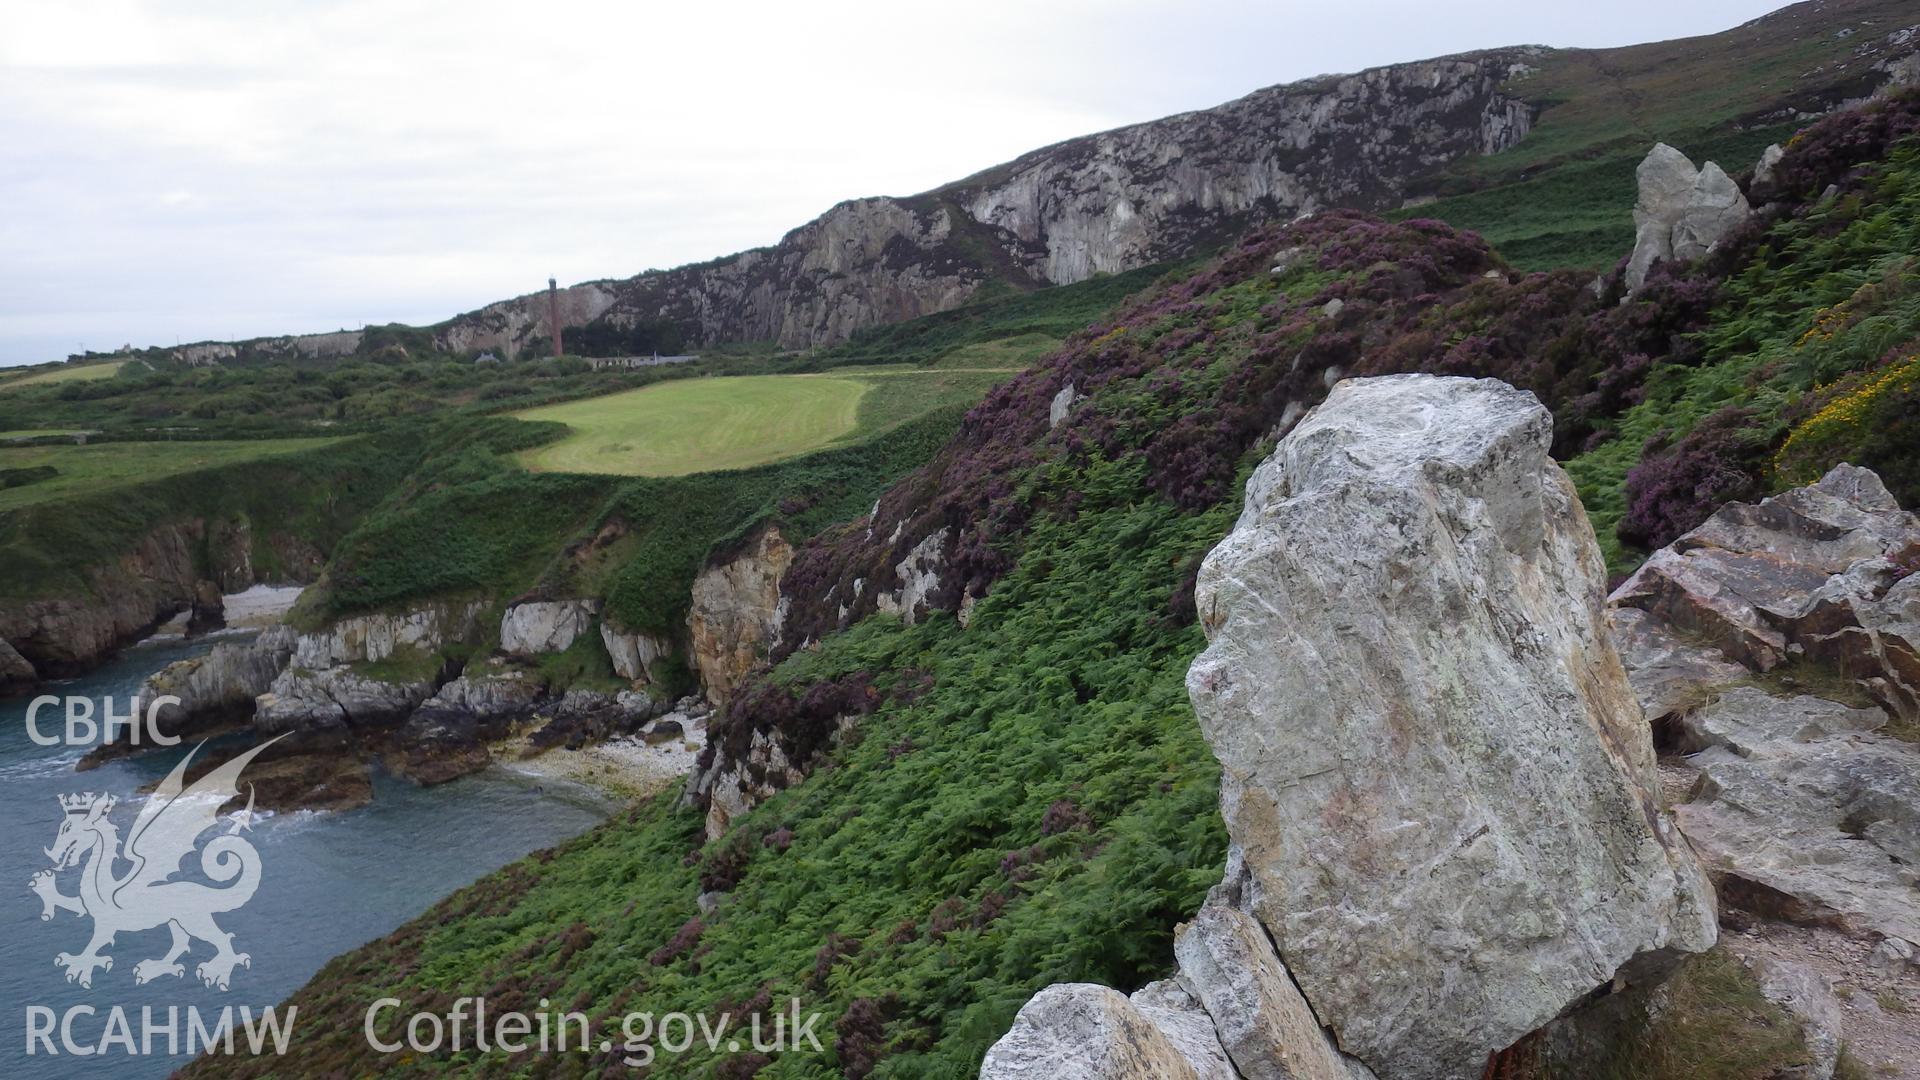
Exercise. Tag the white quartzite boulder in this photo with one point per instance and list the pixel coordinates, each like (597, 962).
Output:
(1434, 767)
(632, 653)
(1080, 1031)
(1439, 786)
(545, 626)
(1682, 212)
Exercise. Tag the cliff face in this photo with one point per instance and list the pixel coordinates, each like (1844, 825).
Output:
(1166, 189)
(1103, 203)
(1142, 194)
(181, 566)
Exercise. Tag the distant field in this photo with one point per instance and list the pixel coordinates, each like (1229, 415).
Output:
(703, 425)
(699, 425)
(102, 466)
(38, 433)
(70, 373)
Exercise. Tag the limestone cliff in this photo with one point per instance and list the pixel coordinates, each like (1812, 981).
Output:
(1102, 203)
(1168, 188)
(735, 614)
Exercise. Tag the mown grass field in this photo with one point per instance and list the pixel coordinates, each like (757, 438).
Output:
(704, 425)
(698, 425)
(70, 373)
(86, 470)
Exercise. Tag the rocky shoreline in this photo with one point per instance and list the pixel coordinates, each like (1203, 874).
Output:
(345, 699)
(191, 569)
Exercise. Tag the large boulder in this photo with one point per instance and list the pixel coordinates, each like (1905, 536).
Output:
(1682, 212)
(1080, 1031)
(545, 626)
(1435, 769)
(633, 653)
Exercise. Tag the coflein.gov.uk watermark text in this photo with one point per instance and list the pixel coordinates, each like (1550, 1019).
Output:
(468, 1024)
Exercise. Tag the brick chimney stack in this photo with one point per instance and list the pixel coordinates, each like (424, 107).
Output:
(553, 313)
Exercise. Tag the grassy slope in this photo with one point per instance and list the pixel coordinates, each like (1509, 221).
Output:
(906, 887)
(1069, 687)
(1029, 802)
(1564, 195)
(48, 546)
(498, 530)
(705, 425)
(66, 374)
(88, 470)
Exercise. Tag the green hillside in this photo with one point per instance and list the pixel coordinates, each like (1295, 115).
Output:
(1563, 196)
(1027, 800)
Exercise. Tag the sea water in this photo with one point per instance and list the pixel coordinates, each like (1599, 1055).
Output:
(328, 883)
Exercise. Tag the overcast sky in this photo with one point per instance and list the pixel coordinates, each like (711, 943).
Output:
(183, 169)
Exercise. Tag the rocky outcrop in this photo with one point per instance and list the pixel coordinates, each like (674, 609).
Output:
(1682, 212)
(1821, 573)
(492, 699)
(1802, 994)
(545, 626)
(581, 717)
(1140, 194)
(220, 687)
(15, 673)
(1062, 404)
(447, 737)
(919, 578)
(334, 700)
(281, 781)
(1763, 170)
(1806, 813)
(1439, 786)
(1739, 637)
(1268, 1030)
(735, 614)
(509, 326)
(730, 786)
(633, 653)
(171, 568)
(383, 635)
(1103, 203)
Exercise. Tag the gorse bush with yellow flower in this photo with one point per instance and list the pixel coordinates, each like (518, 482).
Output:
(1870, 419)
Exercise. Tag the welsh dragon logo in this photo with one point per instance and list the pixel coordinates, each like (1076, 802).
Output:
(143, 898)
